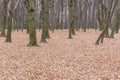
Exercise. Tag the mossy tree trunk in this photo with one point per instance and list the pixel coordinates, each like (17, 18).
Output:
(85, 16)
(101, 14)
(4, 19)
(45, 20)
(115, 27)
(30, 4)
(42, 16)
(10, 17)
(47, 6)
(107, 13)
(117, 21)
(71, 18)
(76, 26)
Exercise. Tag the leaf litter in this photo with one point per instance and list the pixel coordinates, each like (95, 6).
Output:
(60, 58)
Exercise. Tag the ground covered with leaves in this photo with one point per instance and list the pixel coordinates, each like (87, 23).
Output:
(60, 58)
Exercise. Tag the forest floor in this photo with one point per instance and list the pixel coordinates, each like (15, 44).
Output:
(60, 58)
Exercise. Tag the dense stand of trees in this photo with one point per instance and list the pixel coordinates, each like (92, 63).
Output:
(48, 15)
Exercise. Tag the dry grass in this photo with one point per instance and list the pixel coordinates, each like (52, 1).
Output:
(61, 58)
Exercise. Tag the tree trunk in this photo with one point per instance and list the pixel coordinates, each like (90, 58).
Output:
(71, 19)
(4, 19)
(45, 20)
(30, 4)
(9, 27)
